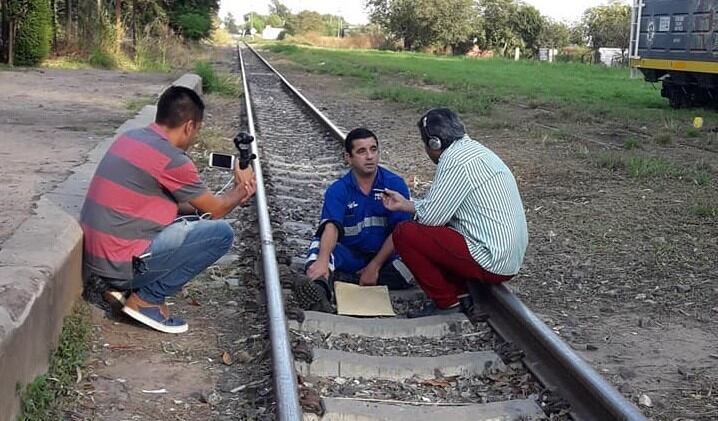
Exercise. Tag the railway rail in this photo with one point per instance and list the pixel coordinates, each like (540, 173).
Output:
(442, 367)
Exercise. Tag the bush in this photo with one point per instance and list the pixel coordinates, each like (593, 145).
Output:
(32, 44)
(193, 25)
(222, 84)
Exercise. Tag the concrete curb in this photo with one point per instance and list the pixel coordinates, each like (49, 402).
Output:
(332, 363)
(355, 410)
(41, 271)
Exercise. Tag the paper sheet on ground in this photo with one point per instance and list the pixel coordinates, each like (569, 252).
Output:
(355, 300)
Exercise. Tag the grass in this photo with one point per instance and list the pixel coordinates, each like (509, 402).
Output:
(705, 211)
(42, 399)
(693, 133)
(582, 91)
(641, 167)
(664, 139)
(214, 82)
(136, 104)
(631, 143)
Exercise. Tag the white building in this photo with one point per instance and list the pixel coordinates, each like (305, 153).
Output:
(271, 32)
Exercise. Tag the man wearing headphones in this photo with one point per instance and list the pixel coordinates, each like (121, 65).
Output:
(471, 225)
(354, 236)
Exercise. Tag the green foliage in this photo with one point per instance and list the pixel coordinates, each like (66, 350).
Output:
(212, 82)
(554, 34)
(34, 33)
(664, 139)
(427, 23)
(631, 143)
(193, 24)
(102, 59)
(594, 90)
(254, 20)
(305, 21)
(608, 26)
(41, 399)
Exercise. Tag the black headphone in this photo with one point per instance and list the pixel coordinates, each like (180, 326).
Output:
(433, 142)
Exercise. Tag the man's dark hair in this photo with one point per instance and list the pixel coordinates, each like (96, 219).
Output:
(359, 133)
(442, 123)
(177, 105)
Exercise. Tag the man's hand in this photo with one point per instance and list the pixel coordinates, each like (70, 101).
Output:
(245, 183)
(244, 177)
(369, 276)
(395, 202)
(318, 270)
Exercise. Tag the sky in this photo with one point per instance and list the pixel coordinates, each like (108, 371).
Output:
(353, 10)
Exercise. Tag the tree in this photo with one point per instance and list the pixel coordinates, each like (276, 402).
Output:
(305, 21)
(608, 26)
(34, 34)
(527, 22)
(426, 23)
(230, 24)
(279, 9)
(554, 34)
(275, 21)
(499, 25)
(254, 20)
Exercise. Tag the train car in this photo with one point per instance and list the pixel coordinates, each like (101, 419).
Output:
(676, 42)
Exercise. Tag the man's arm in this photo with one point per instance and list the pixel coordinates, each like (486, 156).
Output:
(186, 209)
(219, 206)
(370, 274)
(327, 243)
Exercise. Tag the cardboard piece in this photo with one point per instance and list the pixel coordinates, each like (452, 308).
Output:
(355, 300)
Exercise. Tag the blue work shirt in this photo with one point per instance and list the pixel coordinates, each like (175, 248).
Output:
(363, 220)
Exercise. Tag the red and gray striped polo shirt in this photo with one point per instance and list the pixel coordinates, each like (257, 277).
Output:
(133, 195)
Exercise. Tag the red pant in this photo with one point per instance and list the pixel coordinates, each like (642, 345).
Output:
(440, 261)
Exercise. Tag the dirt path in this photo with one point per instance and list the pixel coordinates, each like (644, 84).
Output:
(624, 269)
(50, 119)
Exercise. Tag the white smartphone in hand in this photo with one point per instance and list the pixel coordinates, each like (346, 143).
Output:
(221, 160)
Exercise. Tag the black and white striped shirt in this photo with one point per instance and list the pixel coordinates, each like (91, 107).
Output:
(475, 193)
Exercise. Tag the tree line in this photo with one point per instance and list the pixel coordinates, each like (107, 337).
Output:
(497, 25)
(32, 29)
(281, 17)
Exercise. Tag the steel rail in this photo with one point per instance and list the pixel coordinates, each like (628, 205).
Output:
(284, 373)
(550, 359)
(336, 132)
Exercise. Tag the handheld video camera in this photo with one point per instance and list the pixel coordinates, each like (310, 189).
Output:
(243, 143)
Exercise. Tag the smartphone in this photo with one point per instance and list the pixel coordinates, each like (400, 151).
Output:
(221, 160)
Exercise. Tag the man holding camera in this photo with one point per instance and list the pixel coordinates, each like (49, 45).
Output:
(134, 241)
(354, 235)
(470, 226)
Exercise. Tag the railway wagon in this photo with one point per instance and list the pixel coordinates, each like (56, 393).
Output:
(676, 42)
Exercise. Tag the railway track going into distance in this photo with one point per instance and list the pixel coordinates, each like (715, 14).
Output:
(331, 367)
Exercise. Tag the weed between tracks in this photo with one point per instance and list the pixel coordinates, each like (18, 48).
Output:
(43, 399)
(220, 83)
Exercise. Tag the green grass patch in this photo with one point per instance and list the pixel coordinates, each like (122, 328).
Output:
(223, 84)
(693, 133)
(586, 91)
(136, 104)
(43, 398)
(663, 139)
(469, 102)
(631, 143)
(640, 167)
(705, 211)
(649, 167)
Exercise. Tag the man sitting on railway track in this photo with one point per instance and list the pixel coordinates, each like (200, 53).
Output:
(470, 226)
(133, 243)
(354, 235)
